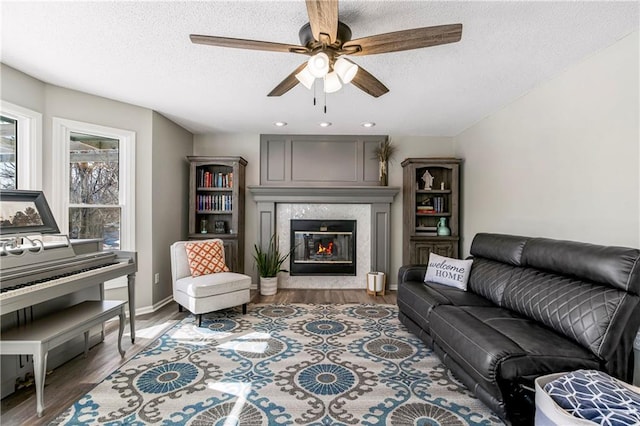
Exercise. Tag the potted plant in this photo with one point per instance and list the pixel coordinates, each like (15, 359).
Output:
(383, 153)
(269, 262)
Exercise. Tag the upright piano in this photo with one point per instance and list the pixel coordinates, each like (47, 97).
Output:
(41, 272)
(38, 269)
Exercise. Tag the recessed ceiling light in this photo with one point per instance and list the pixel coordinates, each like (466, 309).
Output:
(325, 124)
(280, 124)
(368, 124)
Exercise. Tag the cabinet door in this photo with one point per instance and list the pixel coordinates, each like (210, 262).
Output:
(231, 254)
(420, 250)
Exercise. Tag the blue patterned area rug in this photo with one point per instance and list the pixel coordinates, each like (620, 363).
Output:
(284, 365)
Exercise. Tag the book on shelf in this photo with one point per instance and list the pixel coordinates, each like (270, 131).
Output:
(438, 203)
(216, 202)
(207, 179)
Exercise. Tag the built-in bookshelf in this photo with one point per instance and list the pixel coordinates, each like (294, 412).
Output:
(430, 196)
(216, 204)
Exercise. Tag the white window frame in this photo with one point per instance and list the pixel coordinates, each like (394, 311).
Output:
(61, 137)
(28, 144)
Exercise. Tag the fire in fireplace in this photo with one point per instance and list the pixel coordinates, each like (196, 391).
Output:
(323, 247)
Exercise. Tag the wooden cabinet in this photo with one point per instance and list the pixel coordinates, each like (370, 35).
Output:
(431, 195)
(216, 204)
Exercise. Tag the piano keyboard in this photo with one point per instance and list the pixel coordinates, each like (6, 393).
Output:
(9, 292)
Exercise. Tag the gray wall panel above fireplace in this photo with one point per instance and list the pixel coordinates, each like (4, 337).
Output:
(319, 160)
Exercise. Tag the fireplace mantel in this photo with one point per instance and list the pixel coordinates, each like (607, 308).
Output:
(324, 194)
(379, 197)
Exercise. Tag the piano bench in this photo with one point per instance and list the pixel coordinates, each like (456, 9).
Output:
(38, 337)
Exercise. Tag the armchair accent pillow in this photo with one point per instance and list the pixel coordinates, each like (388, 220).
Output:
(205, 257)
(448, 271)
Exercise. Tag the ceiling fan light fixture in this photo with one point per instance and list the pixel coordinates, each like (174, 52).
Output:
(345, 69)
(332, 82)
(318, 65)
(306, 78)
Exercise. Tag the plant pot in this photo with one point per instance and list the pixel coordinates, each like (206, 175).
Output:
(268, 286)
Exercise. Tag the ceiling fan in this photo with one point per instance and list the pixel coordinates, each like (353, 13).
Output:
(328, 42)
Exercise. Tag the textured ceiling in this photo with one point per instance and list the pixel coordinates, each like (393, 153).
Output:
(140, 53)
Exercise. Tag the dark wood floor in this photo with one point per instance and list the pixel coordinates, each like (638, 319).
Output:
(67, 383)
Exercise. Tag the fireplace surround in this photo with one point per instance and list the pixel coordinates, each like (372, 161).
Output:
(375, 231)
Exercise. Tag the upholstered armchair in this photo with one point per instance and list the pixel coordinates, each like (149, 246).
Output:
(202, 282)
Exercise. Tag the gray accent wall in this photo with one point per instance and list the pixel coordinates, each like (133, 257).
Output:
(248, 146)
(319, 160)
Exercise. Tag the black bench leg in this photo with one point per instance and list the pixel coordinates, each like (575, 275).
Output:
(199, 320)
(244, 309)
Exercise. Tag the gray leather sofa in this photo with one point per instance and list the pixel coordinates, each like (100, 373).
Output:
(533, 306)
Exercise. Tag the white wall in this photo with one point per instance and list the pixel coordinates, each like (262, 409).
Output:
(563, 160)
(166, 159)
(248, 146)
(21, 89)
(74, 105)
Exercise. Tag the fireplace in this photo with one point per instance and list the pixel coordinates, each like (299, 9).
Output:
(323, 247)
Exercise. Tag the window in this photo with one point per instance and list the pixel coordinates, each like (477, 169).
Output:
(20, 147)
(94, 202)
(94, 182)
(8, 153)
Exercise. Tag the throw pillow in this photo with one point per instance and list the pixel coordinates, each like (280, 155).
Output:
(205, 257)
(447, 271)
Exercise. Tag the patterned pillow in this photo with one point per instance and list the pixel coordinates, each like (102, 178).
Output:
(595, 396)
(206, 257)
(447, 271)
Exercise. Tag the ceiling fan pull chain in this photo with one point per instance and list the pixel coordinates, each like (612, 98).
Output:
(325, 102)
(314, 92)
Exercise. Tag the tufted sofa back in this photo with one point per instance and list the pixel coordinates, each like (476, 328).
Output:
(586, 292)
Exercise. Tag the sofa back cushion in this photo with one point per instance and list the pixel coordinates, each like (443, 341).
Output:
(501, 248)
(495, 259)
(583, 291)
(618, 267)
(489, 278)
(582, 311)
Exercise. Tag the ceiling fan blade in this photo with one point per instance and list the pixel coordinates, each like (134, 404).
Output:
(288, 83)
(323, 17)
(404, 40)
(247, 44)
(368, 83)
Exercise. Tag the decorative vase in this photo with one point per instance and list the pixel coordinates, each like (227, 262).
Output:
(384, 177)
(442, 228)
(268, 286)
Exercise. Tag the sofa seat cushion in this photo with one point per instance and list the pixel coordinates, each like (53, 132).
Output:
(213, 284)
(416, 299)
(493, 344)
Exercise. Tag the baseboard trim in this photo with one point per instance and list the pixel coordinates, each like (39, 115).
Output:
(151, 309)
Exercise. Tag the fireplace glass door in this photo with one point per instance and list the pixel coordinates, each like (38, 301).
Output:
(323, 247)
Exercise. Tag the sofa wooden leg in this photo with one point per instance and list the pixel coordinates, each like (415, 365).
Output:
(199, 320)
(180, 308)
(244, 309)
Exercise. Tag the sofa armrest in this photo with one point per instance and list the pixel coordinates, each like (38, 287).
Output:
(411, 273)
